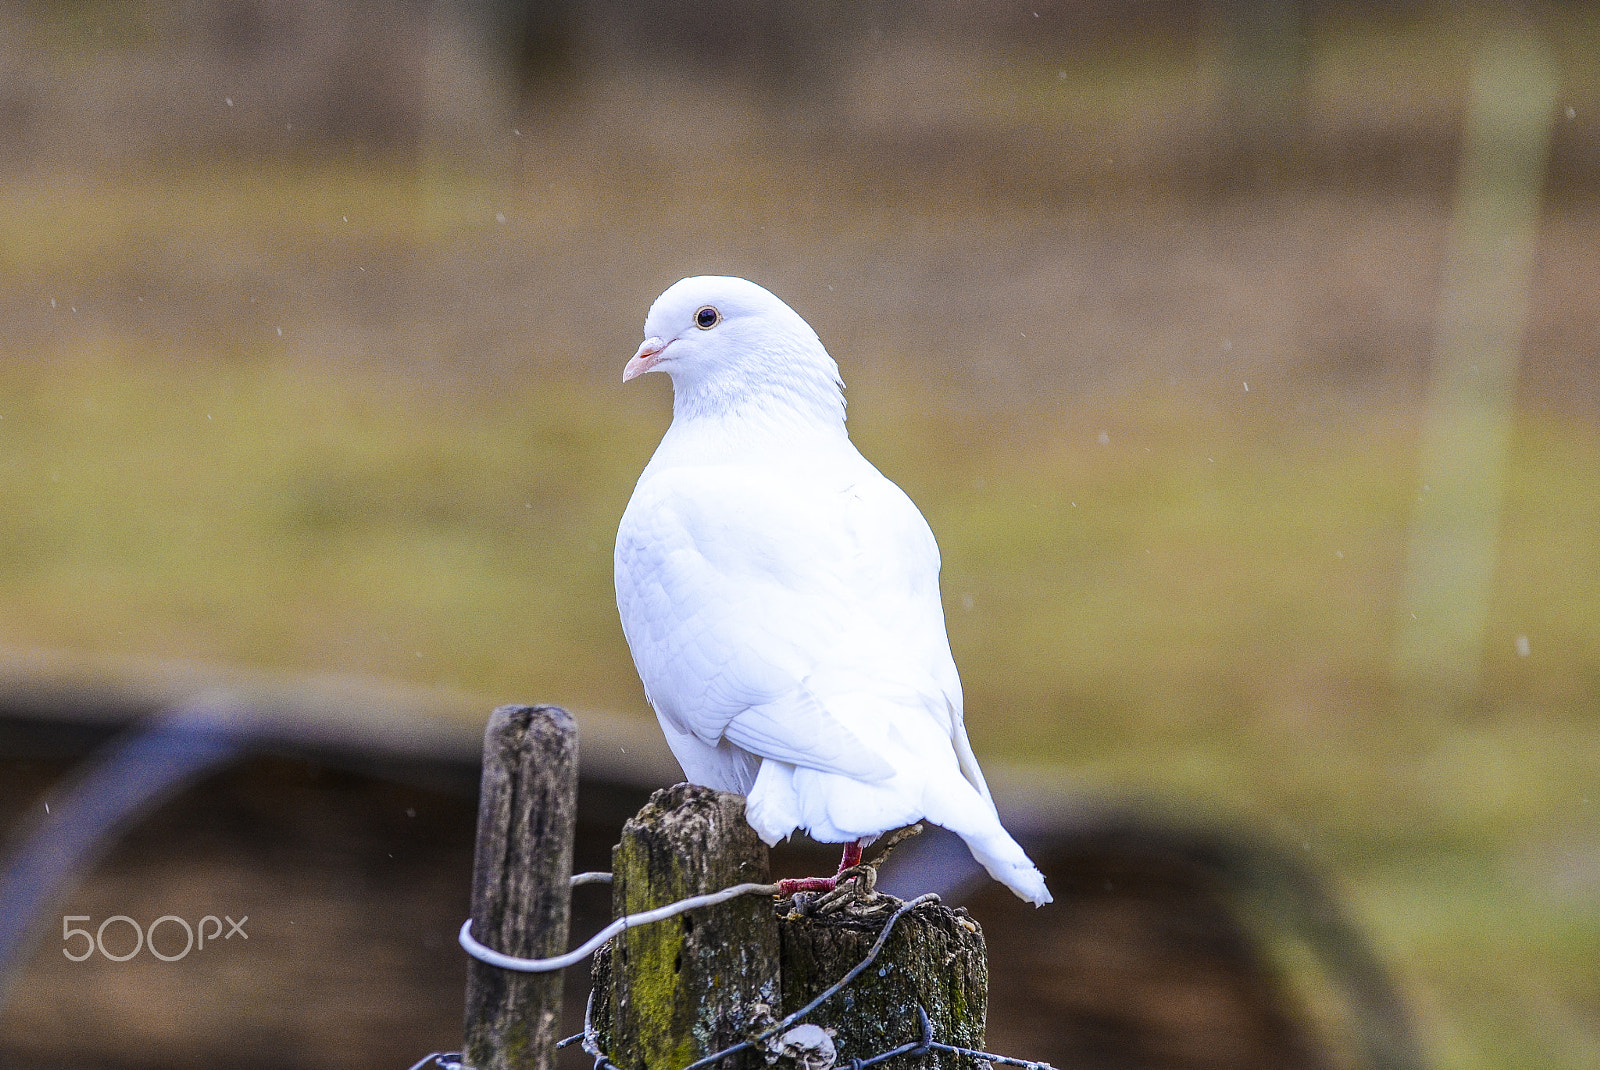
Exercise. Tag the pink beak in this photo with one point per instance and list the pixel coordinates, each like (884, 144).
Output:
(644, 360)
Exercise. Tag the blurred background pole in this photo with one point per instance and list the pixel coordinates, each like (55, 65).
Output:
(1484, 305)
(1262, 121)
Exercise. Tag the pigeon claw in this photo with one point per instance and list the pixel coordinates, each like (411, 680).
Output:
(850, 861)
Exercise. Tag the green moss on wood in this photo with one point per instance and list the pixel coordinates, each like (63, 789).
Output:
(683, 988)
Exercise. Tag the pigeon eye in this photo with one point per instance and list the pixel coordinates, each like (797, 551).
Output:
(707, 318)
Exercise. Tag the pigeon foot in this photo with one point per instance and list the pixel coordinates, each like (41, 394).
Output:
(850, 861)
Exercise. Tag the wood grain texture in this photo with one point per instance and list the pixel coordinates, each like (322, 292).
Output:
(934, 958)
(521, 898)
(686, 987)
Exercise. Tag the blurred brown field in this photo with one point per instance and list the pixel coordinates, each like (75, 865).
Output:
(315, 316)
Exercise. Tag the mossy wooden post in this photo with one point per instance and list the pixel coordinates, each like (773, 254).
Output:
(521, 895)
(934, 959)
(673, 992)
(670, 993)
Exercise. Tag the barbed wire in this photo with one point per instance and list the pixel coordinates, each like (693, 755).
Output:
(822, 1058)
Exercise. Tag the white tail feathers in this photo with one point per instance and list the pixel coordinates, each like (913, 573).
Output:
(974, 819)
(1011, 867)
(837, 809)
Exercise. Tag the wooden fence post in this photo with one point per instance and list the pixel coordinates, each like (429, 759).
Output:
(673, 992)
(521, 896)
(934, 959)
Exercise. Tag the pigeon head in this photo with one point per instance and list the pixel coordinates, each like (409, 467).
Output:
(732, 347)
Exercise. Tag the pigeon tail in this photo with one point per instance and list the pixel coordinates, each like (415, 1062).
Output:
(1008, 864)
(837, 809)
(974, 819)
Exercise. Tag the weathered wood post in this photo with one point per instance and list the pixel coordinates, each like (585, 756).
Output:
(670, 993)
(521, 896)
(934, 959)
(675, 991)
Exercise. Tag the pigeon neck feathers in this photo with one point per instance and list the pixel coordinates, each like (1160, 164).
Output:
(784, 391)
(758, 367)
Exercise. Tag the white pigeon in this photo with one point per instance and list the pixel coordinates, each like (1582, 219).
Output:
(781, 597)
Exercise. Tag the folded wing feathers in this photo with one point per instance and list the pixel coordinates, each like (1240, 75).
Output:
(825, 744)
(731, 609)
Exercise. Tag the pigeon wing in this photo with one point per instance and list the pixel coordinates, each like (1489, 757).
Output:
(737, 586)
